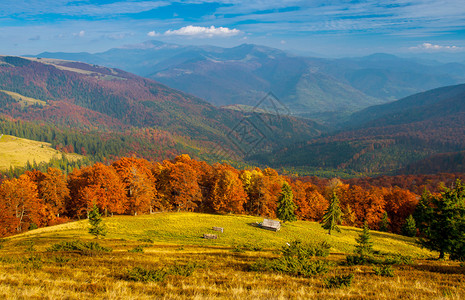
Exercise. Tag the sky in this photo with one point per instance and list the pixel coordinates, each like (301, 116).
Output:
(328, 28)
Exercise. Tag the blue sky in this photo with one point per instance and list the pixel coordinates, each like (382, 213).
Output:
(332, 28)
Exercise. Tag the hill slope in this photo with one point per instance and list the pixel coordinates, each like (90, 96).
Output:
(17, 152)
(92, 98)
(164, 256)
(188, 228)
(392, 137)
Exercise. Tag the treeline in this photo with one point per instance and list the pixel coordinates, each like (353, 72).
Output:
(98, 146)
(135, 186)
(63, 164)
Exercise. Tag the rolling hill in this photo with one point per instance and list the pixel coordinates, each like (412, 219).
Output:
(17, 152)
(325, 89)
(89, 98)
(173, 260)
(417, 134)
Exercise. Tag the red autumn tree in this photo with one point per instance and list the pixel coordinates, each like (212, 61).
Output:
(227, 194)
(400, 204)
(99, 185)
(139, 184)
(21, 205)
(178, 185)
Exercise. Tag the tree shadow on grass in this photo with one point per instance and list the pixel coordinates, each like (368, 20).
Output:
(440, 269)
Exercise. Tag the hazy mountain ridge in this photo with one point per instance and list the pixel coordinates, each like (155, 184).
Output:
(308, 86)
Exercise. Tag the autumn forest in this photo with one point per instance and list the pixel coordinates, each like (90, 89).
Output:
(134, 186)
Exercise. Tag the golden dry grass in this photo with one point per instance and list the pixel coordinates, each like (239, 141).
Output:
(16, 152)
(222, 273)
(23, 100)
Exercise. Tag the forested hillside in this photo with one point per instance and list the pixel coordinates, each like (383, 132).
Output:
(417, 134)
(92, 109)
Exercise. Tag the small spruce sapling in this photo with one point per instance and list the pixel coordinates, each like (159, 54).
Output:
(384, 224)
(364, 247)
(95, 220)
(409, 228)
(333, 215)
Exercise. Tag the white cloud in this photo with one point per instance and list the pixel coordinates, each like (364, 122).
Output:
(81, 33)
(431, 47)
(153, 34)
(199, 31)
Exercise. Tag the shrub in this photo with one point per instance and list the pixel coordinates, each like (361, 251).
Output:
(338, 281)
(252, 247)
(144, 275)
(247, 247)
(32, 262)
(137, 249)
(292, 266)
(298, 249)
(183, 270)
(237, 249)
(398, 259)
(79, 246)
(383, 270)
(61, 260)
(145, 240)
(353, 260)
(261, 265)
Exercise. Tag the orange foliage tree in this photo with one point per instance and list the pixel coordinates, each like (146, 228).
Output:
(400, 204)
(21, 205)
(227, 194)
(178, 185)
(99, 185)
(139, 184)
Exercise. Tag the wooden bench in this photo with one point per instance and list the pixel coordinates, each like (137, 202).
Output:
(210, 236)
(220, 229)
(270, 224)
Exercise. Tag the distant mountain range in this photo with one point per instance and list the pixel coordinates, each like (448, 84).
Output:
(323, 89)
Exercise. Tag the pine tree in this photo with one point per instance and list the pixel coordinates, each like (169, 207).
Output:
(441, 220)
(364, 247)
(333, 214)
(95, 220)
(409, 228)
(286, 206)
(384, 224)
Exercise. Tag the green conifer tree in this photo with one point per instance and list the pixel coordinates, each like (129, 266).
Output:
(384, 224)
(364, 247)
(441, 220)
(286, 206)
(333, 214)
(95, 220)
(409, 228)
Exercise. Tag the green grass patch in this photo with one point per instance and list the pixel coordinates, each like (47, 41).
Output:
(79, 246)
(17, 152)
(23, 100)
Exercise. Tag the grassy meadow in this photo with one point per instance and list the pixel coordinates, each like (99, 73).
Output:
(16, 152)
(23, 100)
(168, 248)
